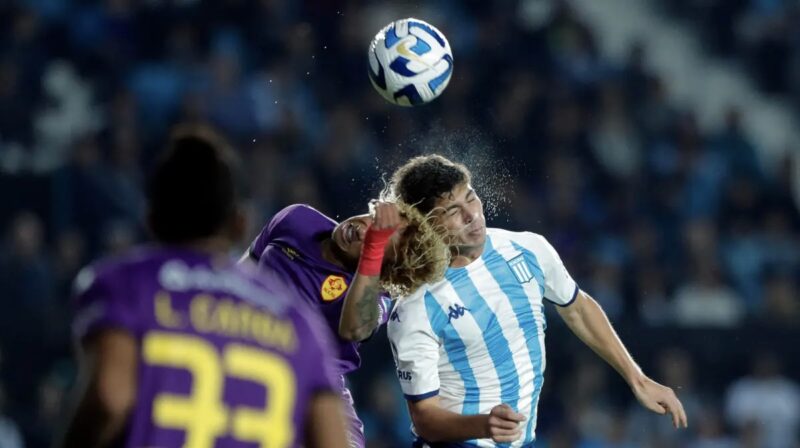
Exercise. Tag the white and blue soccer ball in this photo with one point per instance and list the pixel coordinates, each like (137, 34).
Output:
(410, 62)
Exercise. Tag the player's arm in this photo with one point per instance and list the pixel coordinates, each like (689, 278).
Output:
(106, 390)
(435, 424)
(361, 311)
(325, 425)
(586, 319)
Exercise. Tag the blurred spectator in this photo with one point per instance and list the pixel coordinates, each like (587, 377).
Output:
(615, 140)
(711, 431)
(767, 399)
(675, 370)
(781, 301)
(705, 300)
(10, 435)
(663, 220)
(387, 417)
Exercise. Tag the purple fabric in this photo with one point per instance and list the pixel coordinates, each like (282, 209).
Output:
(290, 246)
(205, 314)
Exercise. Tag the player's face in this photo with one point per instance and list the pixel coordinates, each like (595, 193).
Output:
(349, 237)
(461, 212)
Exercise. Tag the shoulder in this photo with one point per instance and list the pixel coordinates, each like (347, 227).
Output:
(409, 314)
(530, 241)
(110, 271)
(524, 238)
(299, 213)
(295, 222)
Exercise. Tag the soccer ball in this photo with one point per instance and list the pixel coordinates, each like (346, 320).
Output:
(410, 62)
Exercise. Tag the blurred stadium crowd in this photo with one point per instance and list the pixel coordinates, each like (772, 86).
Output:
(684, 235)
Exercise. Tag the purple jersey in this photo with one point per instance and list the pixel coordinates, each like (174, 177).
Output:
(290, 246)
(226, 359)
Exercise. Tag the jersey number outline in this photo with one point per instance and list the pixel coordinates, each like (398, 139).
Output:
(202, 414)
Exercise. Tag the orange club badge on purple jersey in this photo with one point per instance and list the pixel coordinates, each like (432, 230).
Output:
(333, 287)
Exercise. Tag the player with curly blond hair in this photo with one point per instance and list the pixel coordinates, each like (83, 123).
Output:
(350, 270)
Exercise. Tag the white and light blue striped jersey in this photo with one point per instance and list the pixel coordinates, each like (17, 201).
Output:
(476, 338)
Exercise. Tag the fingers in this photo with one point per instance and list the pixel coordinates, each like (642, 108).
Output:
(505, 412)
(678, 414)
(502, 424)
(507, 437)
(386, 216)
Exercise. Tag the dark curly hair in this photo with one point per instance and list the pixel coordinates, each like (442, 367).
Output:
(424, 179)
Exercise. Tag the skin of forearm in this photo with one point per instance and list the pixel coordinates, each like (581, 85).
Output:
(435, 424)
(588, 321)
(360, 312)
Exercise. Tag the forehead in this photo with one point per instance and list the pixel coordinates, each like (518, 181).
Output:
(458, 193)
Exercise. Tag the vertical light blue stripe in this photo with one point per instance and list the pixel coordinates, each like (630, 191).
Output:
(523, 309)
(491, 330)
(456, 353)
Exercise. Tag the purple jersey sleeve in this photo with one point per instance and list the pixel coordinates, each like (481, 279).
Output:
(268, 232)
(101, 301)
(385, 305)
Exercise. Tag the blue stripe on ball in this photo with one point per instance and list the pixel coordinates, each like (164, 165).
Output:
(437, 81)
(421, 47)
(411, 93)
(425, 28)
(399, 66)
(391, 38)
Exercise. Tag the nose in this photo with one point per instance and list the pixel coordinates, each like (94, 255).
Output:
(469, 215)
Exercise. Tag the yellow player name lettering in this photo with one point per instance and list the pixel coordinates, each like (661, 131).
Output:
(166, 316)
(228, 318)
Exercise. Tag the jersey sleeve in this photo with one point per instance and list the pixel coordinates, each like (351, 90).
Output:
(415, 347)
(384, 308)
(559, 287)
(268, 232)
(101, 301)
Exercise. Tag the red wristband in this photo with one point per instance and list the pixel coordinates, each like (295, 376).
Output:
(375, 242)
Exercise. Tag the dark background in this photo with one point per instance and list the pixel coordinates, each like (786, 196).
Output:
(681, 231)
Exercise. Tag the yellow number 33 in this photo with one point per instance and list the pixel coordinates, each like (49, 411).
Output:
(202, 414)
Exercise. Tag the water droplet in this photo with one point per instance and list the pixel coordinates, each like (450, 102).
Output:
(270, 81)
(276, 101)
(308, 73)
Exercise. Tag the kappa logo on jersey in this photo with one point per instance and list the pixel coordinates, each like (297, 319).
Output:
(394, 316)
(333, 287)
(455, 311)
(520, 269)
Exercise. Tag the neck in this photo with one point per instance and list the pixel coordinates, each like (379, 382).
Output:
(332, 254)
(212, 245)
(464, 255)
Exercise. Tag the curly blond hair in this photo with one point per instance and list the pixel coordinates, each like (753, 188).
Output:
(421, 254)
